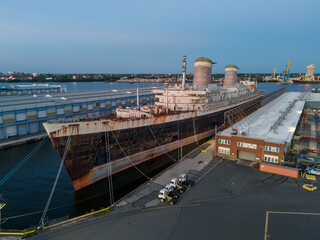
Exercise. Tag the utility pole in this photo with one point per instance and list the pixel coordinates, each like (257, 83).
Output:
(215, 140)
(181, 162)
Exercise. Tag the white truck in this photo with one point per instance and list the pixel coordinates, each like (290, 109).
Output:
(183, 180)
(175, 184)
(164, 196)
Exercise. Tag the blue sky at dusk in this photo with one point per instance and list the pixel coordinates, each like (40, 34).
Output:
(152, 36)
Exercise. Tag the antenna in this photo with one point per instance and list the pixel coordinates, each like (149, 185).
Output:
(184, 66)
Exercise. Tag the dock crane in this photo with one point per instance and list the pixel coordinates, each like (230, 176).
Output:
(286, 74)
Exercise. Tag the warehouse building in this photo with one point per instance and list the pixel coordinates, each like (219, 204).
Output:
(266, 134)
(24, 115)
(17, 90)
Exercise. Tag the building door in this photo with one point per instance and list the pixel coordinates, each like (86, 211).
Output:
(22, 129)
(251, 156)
(11, 131)
(33, 127)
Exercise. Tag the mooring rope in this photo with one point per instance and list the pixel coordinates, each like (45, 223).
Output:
(160, 144)
(109, 167)
(41, 223)
(24, 160)
(194, 131)
(129, 158)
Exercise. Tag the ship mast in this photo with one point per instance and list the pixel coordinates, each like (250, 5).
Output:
(184, 66)
(167, 100)
(137, 96)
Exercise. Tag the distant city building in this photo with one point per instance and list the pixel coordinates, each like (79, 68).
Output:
(310, 70)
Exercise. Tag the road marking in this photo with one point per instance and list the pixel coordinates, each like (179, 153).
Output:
(209, 170)
(294, 213)
(226, 185)
(244, 183)
(289, 213)
(266, 227)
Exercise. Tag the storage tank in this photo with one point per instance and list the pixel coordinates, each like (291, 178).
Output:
(202, 72)
(230, 76)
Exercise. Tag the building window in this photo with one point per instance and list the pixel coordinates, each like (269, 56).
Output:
(224, 141)
(271, 159)
(271, 149)
(224, 150)
(247, 145)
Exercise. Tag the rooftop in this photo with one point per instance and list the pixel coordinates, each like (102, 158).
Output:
(203, 59)
(231, 66)
(274, 122)
(10, 103)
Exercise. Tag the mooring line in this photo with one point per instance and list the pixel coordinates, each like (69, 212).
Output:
(24, 160)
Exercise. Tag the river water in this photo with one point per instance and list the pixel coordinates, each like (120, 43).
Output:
(27, 191)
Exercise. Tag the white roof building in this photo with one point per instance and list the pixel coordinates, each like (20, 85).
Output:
(274, 122)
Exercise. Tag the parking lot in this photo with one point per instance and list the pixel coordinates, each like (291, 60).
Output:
(229, 202)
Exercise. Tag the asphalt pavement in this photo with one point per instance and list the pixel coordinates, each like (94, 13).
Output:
(229, 202)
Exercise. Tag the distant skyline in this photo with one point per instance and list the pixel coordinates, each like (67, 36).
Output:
(152, 36)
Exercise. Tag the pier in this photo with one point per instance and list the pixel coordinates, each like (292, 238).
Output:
(21, 117)
(226, 196)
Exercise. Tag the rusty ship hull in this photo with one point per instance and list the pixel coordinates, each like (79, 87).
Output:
(89, 160)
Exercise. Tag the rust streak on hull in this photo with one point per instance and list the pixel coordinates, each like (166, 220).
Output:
(99, 173)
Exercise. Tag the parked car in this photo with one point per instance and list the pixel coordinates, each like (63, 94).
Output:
(313, 170)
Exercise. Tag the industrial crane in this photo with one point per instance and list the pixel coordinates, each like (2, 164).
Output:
(286, 74)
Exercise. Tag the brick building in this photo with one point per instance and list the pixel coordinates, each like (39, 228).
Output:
(266, 134)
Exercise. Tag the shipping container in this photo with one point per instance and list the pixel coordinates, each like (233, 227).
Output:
(280, 170)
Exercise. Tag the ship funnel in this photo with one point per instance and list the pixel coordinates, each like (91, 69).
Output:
(202, 73)
(230, 76)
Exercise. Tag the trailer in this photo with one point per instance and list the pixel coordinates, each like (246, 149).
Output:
(280, 170)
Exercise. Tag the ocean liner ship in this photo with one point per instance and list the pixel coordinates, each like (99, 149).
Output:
(181, 115)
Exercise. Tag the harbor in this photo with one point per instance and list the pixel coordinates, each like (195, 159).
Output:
(159, 120)
(223, 185)
(196, 164)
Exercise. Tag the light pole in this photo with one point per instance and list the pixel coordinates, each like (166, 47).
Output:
(1, 206)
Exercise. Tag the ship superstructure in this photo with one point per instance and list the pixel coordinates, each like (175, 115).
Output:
(181, 115)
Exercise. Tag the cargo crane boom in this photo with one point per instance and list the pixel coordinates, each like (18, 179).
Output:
(286, 74)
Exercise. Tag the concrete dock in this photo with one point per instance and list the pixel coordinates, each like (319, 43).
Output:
(12, 142)
(196, 164)
(229, 201)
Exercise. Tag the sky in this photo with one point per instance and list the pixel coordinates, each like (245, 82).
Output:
(144, 36)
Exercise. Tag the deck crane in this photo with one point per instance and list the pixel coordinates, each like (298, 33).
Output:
(286, 74)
